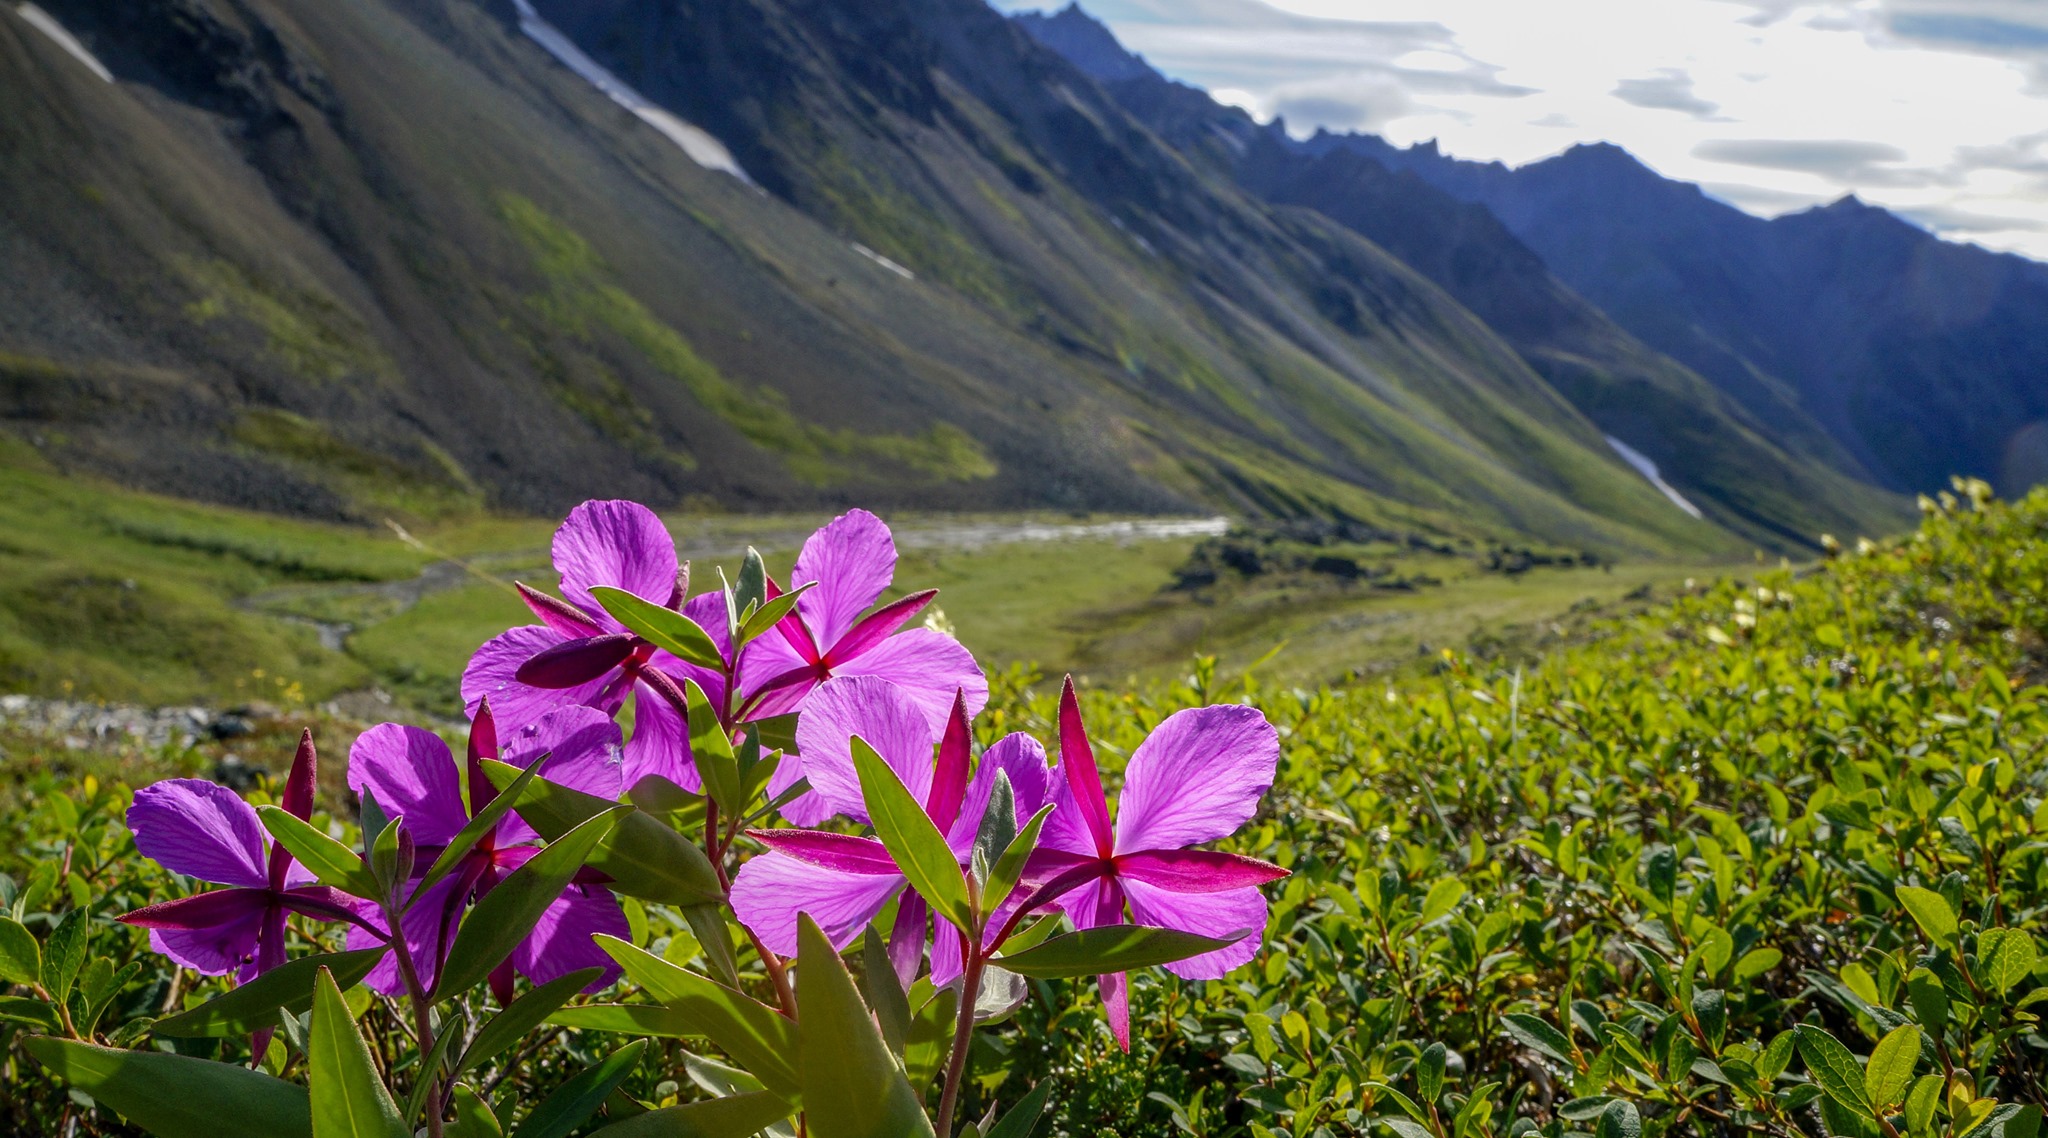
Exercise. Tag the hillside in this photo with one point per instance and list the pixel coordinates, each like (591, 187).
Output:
(1775, 479)
(1914, 357)
(345, 261)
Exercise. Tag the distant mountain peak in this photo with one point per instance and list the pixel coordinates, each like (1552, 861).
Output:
(1087, 43)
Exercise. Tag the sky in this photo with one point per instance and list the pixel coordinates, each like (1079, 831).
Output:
(1936, 109)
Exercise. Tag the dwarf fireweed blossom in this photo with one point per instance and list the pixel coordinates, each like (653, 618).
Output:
(848, 564)
(204, 831)
(843, 882)
(1196, 778)
(415, 779)
(579, 655)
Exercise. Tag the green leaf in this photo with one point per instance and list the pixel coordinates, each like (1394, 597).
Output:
(431, 1069)
(287, 988)
(178, 1096)
(1429, 1071)
(714, 937)
(64, 955)
(771, 613)
(1536, 1034)
(931, 1032)
(472, 832)
(1834, 1069)
(711, 751)
(21, 960)
(576, 1100)
(1023, 1118)
(757, 1036)
(884, 991)
(664, 628)
(852, 1087)
(997, 829)
(1756, 962)
(473, 1117)
(1110, 948)
(751, 590)
(521, 1016)
(1890, 1070)
(508, 912)
(2008, 961)
(1619, 1120)
(1443, 897)
(330, 861)
(1920, 1104)
(734, 1116)
(349, 1100)
(1931, 912)
(643, 857)
(913, 839)
(1929, 999)
(31, 1011)
(1009, 866)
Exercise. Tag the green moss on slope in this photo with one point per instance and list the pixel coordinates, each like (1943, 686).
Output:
(581, 299)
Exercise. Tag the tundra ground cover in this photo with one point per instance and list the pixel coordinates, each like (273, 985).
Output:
(1766, 860)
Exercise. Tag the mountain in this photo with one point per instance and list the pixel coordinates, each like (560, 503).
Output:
(419, 256)
(1916, 357)
(1782, 477)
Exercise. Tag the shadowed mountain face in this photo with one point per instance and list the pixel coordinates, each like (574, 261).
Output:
(1780, 478)
(431, 255)
(1919, 358)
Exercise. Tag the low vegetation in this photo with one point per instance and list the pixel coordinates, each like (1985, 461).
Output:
(1765, 859)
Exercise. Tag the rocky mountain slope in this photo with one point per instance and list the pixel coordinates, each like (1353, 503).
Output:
(426, 256)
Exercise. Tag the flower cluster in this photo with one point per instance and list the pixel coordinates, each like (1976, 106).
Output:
(810, 699)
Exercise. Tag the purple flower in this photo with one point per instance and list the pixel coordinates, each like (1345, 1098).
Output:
(843, 881)
(849, 563)
(579, 656)
(201, 829)
(415, 778)
(1196, 778)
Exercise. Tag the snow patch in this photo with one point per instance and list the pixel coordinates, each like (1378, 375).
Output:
(695, 141)
(1648, 470)
(47, 24)
(885, 262)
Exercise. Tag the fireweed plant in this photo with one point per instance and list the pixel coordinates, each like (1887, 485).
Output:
(810, 703)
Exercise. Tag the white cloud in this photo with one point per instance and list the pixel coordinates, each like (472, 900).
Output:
(1931, 107)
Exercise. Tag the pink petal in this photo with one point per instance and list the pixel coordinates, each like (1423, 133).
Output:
(1196, 871)
(215, 951)
(201, 910)
(852, 559)
(772, 889)
(931, 667)
(1196, 778)
(907, 936)
(618, 544)
(1077, 765)
(1093, 906)
(493, 673)
(561, 942)
(661, 742)
(947, 959)
(764, 659)
(806, 809)
(582, 750)
(845, 853)
(568, 621)
(878, 627)
(1205, 914)
(574, 663)
(1066, 831)
(949, 776)
(414, 777)
(1020, 757)
(880, 713)
(200, 829)
(429, 927)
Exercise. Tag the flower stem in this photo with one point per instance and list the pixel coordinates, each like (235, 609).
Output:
(963, 1032)
(422, 1020)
